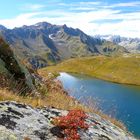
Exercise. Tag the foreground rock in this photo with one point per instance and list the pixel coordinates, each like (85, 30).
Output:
(22, 122)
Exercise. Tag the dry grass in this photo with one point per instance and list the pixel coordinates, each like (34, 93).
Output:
(65, 102)
(112, 120)
(5, 95)
(57, 100)
(52, 94)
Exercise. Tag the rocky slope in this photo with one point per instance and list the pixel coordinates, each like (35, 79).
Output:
(12, 69)
(22, 122)
(44, 44)
(131, 44)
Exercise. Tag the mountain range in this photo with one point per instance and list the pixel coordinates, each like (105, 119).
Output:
(131, 44)
(45, 44)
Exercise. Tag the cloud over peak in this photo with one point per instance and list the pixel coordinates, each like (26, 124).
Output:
(92, 17)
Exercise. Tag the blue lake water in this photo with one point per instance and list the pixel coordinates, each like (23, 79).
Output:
(120, 101)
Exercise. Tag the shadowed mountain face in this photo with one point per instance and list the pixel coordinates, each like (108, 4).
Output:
(45, 44)
(2, 27)
(11, 70)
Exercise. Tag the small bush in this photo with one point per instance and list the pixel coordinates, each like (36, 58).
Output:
(71, 123)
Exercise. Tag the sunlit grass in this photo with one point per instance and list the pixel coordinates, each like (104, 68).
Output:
(116, 69)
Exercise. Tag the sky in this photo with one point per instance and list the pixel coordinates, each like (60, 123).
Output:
(116, 17)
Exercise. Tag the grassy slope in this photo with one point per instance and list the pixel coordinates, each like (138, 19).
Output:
(117, 69)
(56, 99)
(2, 67)
(52, 94)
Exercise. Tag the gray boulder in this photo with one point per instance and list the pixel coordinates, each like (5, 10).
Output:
(19, 122)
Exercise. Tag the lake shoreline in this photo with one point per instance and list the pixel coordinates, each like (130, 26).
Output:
(114, 96)
(101, 78)
(117, 70)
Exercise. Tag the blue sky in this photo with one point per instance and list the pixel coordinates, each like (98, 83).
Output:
(121, 17)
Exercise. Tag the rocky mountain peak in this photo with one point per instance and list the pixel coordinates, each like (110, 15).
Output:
(44, 43)
(42, 25)
(131, 44)
(2, 27)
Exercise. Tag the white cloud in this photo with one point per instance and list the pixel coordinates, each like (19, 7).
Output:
(90, 3)
(127, 4)
(32, 7)
(80, 3)
(83, 8)
(22, 19)
(128, 28)
(91, 22)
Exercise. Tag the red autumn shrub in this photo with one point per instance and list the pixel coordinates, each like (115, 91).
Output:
(70, 124)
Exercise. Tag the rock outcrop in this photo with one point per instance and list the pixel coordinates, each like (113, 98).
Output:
(12, 68)
(22, 122)
(131, 44)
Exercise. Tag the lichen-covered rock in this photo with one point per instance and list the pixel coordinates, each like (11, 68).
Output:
(19, 121)
(6, 134)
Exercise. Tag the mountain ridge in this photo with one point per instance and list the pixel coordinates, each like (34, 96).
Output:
(131, 44)
(45, 44)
